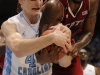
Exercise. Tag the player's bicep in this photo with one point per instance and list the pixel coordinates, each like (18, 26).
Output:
(91, 18)
(9, 30)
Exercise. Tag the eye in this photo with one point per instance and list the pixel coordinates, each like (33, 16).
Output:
(85, 53)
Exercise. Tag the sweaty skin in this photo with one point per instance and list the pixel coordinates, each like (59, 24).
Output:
(52, 14)
(63, 59)
(84, 38)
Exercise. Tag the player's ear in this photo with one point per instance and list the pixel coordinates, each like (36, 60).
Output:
(19, 9)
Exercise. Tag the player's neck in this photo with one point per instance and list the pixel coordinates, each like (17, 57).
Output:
(32, 19)
(76, 1)
(84, 64)
(74, 7)
(72, 2)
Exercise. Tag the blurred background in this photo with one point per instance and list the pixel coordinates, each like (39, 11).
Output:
(8, 9)
(94, 45)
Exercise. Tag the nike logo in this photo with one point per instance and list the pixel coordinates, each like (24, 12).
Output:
(24, 34)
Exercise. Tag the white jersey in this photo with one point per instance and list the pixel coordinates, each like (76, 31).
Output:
(26, 65)
(89, 70)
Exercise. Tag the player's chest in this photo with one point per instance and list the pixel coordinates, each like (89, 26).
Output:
(27, 31)
(74, 20)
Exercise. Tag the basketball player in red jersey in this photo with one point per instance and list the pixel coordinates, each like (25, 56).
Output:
(2, 51)
(80, 17)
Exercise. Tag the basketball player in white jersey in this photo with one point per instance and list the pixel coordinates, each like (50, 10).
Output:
(88, 69)
(22, 41)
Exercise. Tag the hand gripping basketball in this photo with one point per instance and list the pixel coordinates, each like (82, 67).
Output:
(63, 59)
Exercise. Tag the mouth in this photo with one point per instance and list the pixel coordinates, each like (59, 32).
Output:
(35, 8)
(82, 58)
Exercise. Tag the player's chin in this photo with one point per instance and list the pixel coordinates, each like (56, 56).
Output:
(36, 12)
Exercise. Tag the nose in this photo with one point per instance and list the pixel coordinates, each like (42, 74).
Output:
(83, 54)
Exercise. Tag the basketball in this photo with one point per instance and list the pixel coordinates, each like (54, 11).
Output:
(53, 46)
(63, 60)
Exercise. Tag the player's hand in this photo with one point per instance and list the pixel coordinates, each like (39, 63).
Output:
(63, 28)
(60, 39)
(48, 57)
(74, 50)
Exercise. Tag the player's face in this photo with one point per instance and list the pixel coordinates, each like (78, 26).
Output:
(83, 54)
(77, 1)
(31, 7)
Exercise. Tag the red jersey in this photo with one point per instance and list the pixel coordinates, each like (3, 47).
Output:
(75, 22)
(1, 63)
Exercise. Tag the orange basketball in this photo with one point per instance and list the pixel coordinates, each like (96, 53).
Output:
(51, 47)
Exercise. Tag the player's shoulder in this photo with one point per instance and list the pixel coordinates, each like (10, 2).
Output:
(94, 2)
(7, 24)
(11, 20)
(94, 5)
(90, 65)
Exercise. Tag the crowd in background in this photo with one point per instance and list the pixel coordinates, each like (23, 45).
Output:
(94, 49)
(94, 45)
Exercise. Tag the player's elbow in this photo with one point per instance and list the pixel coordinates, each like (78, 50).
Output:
(90, 34)
(16, 51)
(15, 48)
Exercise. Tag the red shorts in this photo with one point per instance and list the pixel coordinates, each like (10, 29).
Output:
(1, 63)
(74, 69)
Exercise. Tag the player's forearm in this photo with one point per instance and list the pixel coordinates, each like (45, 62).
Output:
(30, 46)
(84, 39)
(89, 25)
